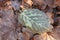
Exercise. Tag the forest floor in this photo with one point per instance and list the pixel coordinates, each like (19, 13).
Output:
(10, 29)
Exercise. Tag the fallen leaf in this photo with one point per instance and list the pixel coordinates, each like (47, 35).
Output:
(35, 20)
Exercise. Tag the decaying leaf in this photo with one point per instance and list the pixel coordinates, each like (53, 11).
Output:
(57, 2)
(40, 4)
(15, 5)
(50, 16)
(7, 24)
(45, 36)
(27, 3)
(35, 20)
(50, 3)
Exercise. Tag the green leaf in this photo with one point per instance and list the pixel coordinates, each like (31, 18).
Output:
(36, 20)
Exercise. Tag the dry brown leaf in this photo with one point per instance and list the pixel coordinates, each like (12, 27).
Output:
(29, 2)
(56, 33)
(50, 15)
(40, 4)
(57, 2)
(45, 36)
(2, 3)
(37, 37)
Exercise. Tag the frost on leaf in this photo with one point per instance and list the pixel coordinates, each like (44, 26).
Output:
(35, 20)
